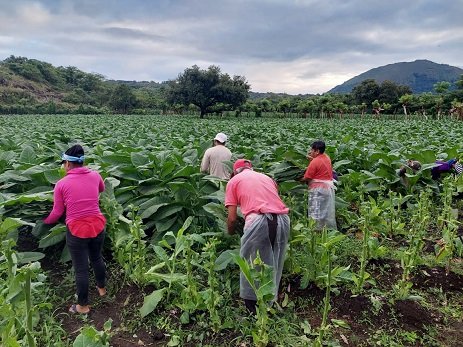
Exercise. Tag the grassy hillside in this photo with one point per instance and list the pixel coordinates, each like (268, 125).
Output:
(29, 84)
(419, 75)
(33, 86)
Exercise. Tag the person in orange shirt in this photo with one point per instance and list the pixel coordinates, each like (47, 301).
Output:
(319, 177)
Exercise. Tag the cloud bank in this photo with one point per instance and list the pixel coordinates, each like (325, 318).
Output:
(287, 46)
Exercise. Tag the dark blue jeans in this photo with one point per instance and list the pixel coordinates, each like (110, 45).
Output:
(81, 251)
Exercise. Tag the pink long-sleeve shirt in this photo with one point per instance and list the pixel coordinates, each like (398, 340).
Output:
(77, 194)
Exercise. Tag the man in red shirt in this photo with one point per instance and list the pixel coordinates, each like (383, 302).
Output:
(266, 228)
(319, 177)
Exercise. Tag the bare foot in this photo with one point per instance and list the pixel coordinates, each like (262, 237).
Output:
(101, 291)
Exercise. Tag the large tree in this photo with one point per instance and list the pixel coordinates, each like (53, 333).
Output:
(122, 99)
(367, 92)
(207, 88)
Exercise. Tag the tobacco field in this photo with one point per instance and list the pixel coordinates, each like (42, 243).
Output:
(392, 275)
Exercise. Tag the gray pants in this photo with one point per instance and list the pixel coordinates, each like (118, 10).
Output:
(258, 236)
(322, 207)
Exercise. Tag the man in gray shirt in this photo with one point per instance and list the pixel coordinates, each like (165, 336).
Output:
(214, 157)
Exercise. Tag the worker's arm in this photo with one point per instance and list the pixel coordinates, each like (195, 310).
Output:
(205, 163)
(232, 218)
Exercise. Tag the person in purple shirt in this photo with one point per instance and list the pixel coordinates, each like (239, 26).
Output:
(452, 165)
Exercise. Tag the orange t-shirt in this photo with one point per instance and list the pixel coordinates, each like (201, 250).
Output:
(319, 168)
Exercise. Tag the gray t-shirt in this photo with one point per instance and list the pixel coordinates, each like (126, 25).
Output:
(213, 159)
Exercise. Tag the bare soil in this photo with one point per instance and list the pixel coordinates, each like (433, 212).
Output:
(364, 314)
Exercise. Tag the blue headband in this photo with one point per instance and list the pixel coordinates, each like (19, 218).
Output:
(73, 159)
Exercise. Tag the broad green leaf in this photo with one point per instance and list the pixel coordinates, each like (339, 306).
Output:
(187, 171)
(153, 201)
(245, 269)
(29, 257)
(36, 169)
(88, 338)
(27, 198)
(169, 278)
(151, 301)
(15, 288)
(167, 211)
(340, 163)
(116, 159)
(13, 176)
(53, 176)
(40, 229)
(185, 226)
(161, 253)
(12, 223)
(266, 290)
(225, 258)
(167, 168)
(56, 235)
(165, 224)
(65, 255)
(28, 155)
(148, 212)
(216, 210)
(139, 159)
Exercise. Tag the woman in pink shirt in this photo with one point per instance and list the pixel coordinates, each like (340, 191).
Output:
(77, 195)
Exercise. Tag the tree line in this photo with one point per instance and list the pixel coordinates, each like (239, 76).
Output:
(36, 87)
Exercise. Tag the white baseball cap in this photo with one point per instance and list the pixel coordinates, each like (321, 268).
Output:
(221, 137)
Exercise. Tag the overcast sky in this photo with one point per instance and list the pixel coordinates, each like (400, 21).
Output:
(292, 46)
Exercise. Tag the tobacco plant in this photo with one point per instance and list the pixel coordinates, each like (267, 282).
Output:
(135, 249)
(190, 299)
(448, 223)
(328, 243)
(89, 336)
(370, 216)
(260, 277)
(19, 312)
(395, 222)
(168, 263)
(410, 257)
(211, 296)
(316, 258)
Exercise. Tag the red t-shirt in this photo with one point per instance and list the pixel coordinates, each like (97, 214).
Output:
(87, 227)
(319, 168)
(254, 192)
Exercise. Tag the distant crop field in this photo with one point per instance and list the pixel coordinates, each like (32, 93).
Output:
(391, 275)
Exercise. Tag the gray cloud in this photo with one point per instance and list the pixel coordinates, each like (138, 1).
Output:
(279, 45)
(134, 34)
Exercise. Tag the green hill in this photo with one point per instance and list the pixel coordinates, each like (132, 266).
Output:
(34, 86)
(419, 75)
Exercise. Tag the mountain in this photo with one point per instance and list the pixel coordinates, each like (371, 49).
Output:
(419, 75)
